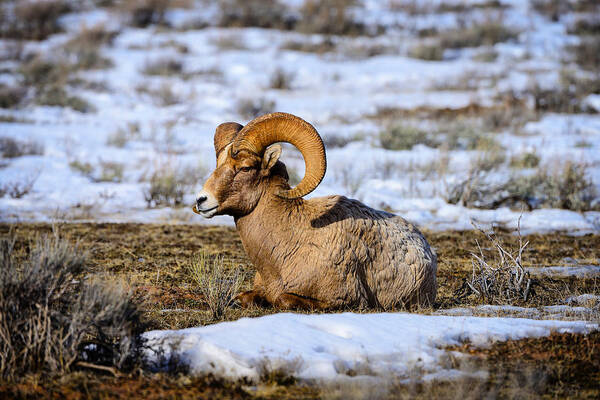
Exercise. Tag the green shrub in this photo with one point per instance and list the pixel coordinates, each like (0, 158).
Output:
(525, 160)
(403, 137)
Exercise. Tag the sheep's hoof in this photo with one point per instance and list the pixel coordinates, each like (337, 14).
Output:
(252, 298)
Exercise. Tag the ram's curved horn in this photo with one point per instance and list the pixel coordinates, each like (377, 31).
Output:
(263, 131)
(225, 134)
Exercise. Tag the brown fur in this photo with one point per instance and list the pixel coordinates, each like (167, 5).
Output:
(329, 252)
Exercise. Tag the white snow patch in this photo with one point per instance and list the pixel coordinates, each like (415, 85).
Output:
(325, 347)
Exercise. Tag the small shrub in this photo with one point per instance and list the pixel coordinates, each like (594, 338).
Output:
(145, 12)
(19, 188)
(428, 52)
(350, 179)
(164, 67)
(565, 187)
(465, 136)
(11, 96)
(85, 48)
(58, 97)
(163, 96)
(489, 158)
(326, 45)
(34, 20)
(252, 108)
(11, 148)
(281, 79)
(329, 17)
(525, 160)
(229, 42)
(504, 280)
(111, 171)
(219, 282)
(50, 315)
(85, 168)
(332, 141)
(486, 34)
(403, 137)
(122, 136)
(169, 184)
(255, 13)
(40, 73)
(587, 53)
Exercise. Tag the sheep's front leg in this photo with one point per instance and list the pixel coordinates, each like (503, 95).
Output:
(252, 298)
(291, 301)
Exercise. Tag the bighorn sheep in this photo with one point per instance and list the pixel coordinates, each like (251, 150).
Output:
(327, 252)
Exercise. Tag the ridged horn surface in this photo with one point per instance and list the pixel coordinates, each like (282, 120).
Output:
(225, 134)
(265, 130)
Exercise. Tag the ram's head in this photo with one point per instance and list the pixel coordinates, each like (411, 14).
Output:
(248, 165)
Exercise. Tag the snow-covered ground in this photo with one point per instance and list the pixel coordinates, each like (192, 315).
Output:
(340, 92)
(344, 347)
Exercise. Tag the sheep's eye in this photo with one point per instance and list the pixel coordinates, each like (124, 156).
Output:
(245, 169)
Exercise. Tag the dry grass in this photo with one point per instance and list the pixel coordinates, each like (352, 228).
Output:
(502, 280)
(33, 20)
(218, 282)
(84, 49)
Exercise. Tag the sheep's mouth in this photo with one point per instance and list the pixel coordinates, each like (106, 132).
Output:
(209, 212)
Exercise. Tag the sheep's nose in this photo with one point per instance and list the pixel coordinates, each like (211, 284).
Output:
(200, 200)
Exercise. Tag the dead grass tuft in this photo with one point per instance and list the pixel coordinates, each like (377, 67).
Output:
(218, 281)
(503, 280)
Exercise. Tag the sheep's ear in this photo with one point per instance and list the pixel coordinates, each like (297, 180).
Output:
(272, 154)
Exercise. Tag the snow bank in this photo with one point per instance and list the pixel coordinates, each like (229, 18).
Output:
(330, 347)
